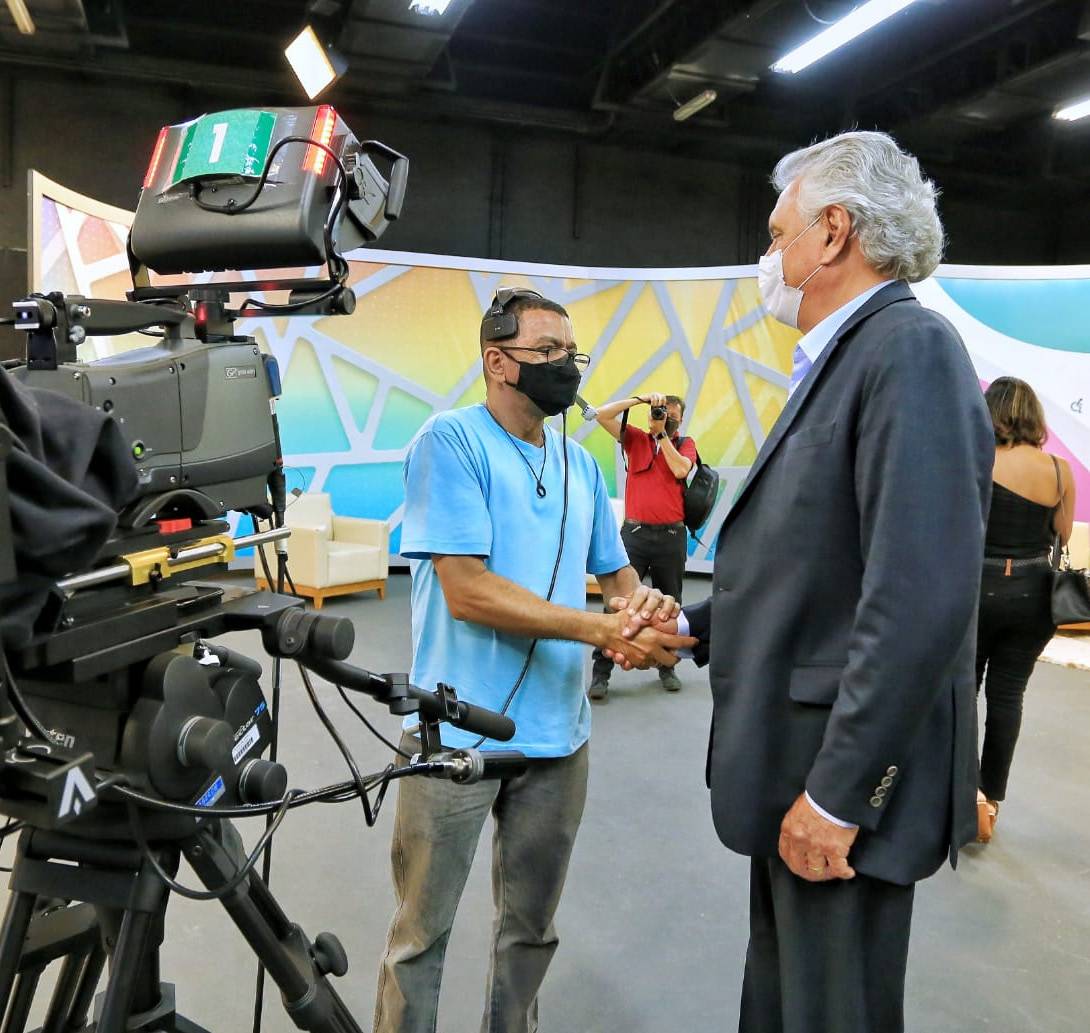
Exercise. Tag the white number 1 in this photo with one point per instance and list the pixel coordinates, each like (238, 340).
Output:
(219, 132)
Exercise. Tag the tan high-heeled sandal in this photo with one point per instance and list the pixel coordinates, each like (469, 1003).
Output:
(987, 813)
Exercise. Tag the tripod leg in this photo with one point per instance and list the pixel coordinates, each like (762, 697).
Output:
(134, 967)
(12, 936)
(76, 1017)
(25, 987)
(124, 972)
(281, 946)
(68, 983)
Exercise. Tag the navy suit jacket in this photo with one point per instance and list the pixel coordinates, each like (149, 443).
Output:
(841, 628)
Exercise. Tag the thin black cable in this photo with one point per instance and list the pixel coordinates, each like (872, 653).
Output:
(370, 727)
(338, 267)
(234, 882)
(233, 207)
(369, 815)
(514, 444)
(336, 264)
(19, 704)
(295, 306)
(552, 581)
(338, 792)
(266, 569)
(290, 800)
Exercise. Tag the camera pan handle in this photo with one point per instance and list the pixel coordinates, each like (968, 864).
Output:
(399, 175)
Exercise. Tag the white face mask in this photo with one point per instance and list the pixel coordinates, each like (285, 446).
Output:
(781, 301)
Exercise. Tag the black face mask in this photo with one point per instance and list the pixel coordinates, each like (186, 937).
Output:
(671, 427)
(551, 388)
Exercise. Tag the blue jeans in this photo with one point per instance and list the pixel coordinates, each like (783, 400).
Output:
(436, 831)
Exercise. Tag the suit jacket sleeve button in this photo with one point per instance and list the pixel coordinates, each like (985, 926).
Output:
(891, 770)
(876, 801)
(887, 781)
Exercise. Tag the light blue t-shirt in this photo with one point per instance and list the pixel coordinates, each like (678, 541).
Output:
(468, 491)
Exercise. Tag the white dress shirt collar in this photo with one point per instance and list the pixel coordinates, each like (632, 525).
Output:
(817, 339)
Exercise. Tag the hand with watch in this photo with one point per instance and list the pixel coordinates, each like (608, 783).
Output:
(656, 421)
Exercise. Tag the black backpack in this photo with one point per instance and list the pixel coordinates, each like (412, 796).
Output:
(700, 495)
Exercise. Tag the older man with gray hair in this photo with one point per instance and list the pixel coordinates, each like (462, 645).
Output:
(841, 626)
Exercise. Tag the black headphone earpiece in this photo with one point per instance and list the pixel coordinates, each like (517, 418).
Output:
(499, 324)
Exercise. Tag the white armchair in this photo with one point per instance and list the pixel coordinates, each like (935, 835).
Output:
(333, 555)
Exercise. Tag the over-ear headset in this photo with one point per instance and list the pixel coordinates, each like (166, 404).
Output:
(498, 324)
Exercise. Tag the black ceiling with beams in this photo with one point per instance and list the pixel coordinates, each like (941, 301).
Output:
(969, 85)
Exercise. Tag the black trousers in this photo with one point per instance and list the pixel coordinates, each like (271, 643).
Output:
(658, 550)
(1015, 625)
(824, 957)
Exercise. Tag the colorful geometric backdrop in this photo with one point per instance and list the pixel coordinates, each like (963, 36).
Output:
(357, 388)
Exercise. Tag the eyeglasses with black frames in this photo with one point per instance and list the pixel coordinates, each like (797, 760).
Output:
(557, 355)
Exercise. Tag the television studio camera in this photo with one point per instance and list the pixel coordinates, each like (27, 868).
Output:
(130, 739)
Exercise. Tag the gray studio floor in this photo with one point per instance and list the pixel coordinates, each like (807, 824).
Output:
(653, 922)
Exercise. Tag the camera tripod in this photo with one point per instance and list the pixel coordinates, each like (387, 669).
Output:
(121, 917)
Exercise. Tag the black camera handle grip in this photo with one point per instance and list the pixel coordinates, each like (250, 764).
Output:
(402, 698)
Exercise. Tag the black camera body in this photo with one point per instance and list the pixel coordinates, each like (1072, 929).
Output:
(107, 656)
(658, 412)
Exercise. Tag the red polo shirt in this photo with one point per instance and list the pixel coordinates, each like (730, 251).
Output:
(652, 494)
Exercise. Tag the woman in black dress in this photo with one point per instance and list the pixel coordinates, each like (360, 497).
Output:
(1033, 501)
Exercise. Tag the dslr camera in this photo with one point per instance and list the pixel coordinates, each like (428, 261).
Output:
(658, 412)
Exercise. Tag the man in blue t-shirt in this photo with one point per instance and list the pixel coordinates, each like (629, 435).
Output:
(503, 519)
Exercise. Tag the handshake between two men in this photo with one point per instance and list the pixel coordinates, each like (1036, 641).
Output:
(813, 847)
(644, 630)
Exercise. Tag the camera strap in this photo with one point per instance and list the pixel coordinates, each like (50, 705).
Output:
(624, 427)
(624, 451)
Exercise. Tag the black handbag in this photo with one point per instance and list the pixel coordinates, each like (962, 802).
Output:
(1070, 596)
(1070, 588)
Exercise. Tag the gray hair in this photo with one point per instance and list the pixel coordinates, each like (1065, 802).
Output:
(891, 204)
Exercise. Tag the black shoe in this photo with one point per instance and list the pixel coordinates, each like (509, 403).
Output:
(598, 691)
(670, 681)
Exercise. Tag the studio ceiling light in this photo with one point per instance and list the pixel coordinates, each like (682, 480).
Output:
(23, 22)
(1073, 112)
(697, 103)
(853, 24)
(433, 7)
(316, 66)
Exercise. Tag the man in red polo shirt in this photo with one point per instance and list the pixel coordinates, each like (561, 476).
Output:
(659, 460)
